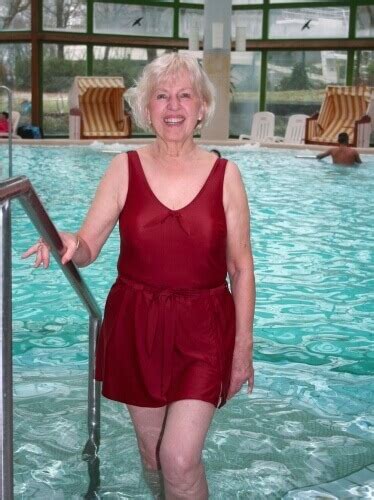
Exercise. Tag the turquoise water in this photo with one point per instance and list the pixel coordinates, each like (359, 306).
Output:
(310, 417)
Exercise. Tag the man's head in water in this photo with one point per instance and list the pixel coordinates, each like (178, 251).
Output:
(343, 138)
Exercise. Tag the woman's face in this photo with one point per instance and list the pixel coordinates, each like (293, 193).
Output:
(175, 108)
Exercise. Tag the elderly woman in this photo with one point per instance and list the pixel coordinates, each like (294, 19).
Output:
(175, 343)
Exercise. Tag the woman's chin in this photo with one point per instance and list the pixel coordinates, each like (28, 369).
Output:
(175, 133)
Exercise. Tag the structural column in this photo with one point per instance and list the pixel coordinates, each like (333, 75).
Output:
(216, 62)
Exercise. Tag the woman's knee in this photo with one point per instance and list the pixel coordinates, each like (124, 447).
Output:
(176, 464)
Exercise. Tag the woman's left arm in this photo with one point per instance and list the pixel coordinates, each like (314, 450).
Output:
(241, 273)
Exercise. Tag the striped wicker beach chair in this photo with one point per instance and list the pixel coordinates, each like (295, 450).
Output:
(344, 109)
(96, 105)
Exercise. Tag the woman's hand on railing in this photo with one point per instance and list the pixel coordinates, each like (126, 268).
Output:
(41, 250)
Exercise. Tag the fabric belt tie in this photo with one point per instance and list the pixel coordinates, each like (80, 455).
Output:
(162, 317)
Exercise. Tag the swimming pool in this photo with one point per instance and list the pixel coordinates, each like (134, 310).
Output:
(309, 419)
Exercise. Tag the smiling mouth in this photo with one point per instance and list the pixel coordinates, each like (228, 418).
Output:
(174, 121)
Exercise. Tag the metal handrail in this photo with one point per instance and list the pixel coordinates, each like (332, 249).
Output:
(22, 189)
(10, 134)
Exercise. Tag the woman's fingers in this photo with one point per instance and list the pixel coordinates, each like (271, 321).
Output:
(251, 380)
(68, 255)
(45, 255)
(70, 244)
(235, 386)
(30, 251)
(39, 257)
(42, 250)
(237, 383)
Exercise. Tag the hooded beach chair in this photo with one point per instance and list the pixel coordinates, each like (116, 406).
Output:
(97, 109)
(344, 109)
(262, 127)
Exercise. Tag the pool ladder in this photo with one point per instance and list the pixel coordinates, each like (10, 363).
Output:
(22, 189)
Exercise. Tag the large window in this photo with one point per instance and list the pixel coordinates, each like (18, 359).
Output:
(188, 18)
(247, 2)
(363, 72)
(244, 90)
(322, 22)
(251, 19)
(365, 21)
(123, 61)
(15, 73)
(64, 15)
(61, 63)
(141, 20)
(15, 15)
(72, 34)
(296, 82)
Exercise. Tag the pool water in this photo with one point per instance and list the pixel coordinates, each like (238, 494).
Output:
(309, 419)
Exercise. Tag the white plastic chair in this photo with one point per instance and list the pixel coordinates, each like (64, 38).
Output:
(295, 131)
(262, 127)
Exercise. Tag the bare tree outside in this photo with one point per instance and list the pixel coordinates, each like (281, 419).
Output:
(16, 15)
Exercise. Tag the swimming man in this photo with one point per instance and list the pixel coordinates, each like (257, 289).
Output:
(343, 154)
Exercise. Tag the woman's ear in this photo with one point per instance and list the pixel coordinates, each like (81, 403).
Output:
(202, 111)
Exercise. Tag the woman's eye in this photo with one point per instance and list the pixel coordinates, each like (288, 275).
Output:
(185, 95)
(161, 96)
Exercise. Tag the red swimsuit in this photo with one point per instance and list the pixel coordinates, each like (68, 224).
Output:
(169, 324)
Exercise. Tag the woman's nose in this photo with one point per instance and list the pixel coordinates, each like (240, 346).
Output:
(173, 102)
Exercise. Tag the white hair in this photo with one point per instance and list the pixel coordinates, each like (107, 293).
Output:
(165, 67)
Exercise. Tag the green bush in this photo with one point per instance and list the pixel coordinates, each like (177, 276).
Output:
(59, 73)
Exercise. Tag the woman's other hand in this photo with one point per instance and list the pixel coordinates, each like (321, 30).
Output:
(242, 370)
(42, 250)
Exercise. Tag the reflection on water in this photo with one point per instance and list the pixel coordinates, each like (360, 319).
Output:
(309, 419)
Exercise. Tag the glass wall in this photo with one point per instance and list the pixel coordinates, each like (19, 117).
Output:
(189, 18)
(15, 15)
(365, 21)
(296, 82)
(123, 61)
(322, 22)
(15, 73)
(65, 15)
(363, 71)
(251, 19)
(244, 90)
(137, 20)
(61, 63)
(293, 80)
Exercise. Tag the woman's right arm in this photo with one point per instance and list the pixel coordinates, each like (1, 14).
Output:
(84, 246)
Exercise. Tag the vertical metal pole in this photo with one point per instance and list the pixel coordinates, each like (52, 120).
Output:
(6, 380)
(90, 452)
(93, 388)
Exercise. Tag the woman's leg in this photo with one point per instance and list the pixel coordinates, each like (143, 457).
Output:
(186, 426)
(149, 424)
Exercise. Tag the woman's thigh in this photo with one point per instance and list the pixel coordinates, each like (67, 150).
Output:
(186, 427)
(149, 425)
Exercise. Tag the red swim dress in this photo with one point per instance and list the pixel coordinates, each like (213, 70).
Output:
(168, 331)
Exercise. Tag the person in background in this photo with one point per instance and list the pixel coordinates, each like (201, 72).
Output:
(343, 154)
(175, 342)
(216, 152)
(4, 122)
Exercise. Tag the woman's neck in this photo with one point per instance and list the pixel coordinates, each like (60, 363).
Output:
(173, 150)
